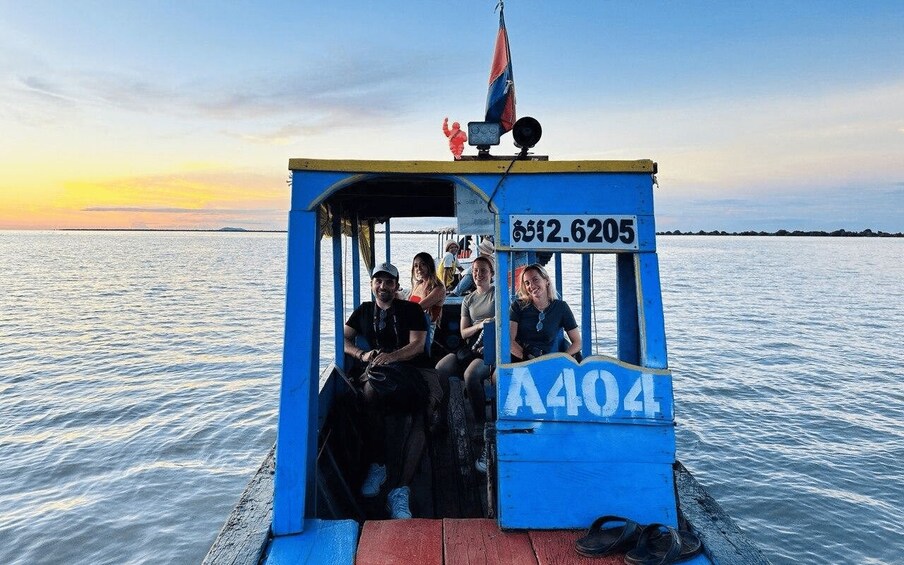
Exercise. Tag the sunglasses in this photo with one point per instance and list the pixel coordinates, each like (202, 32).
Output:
(540, 323)
(381, 323)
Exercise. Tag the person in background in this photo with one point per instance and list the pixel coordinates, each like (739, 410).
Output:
(466, 285)
(427, 290)
(537, 316)
(396, 332)
(477, 309)
(448, 267)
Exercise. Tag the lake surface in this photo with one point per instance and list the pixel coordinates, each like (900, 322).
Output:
(139, 377)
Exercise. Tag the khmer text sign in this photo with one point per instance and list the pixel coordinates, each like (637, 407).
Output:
(552, 231)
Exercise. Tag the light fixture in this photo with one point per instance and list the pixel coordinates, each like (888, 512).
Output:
(482, 135)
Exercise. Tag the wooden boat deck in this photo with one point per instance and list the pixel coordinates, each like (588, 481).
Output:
(471, 542)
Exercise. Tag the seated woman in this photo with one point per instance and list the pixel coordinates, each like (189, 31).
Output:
(536, 317)
(477, 309)
(427, 290)
(466, 284)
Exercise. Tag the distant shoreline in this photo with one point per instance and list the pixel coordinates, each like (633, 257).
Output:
(779, 233)
(795, 233)
(221, 230)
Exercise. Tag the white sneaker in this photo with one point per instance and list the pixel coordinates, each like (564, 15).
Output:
(397, 503)
(481, 463)
(376, 476)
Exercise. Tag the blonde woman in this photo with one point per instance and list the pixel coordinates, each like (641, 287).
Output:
(536, 317)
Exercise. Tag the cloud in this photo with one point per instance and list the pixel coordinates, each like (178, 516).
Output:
(200, 211)
(322, 95)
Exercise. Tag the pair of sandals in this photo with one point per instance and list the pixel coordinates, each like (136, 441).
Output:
(655, 544)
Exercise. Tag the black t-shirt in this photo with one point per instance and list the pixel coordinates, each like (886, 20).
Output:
(388, 330)
(557, 315)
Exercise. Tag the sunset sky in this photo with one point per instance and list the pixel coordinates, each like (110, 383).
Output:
(172, 114)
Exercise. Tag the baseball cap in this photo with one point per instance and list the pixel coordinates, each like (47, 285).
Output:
(387, 268)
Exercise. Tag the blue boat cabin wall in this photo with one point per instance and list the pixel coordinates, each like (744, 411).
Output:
(574, 440)
(580, 440)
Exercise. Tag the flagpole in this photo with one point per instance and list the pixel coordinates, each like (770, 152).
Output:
(500, 107)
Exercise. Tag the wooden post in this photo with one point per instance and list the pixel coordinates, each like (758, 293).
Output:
(356, 263)
(586, 303)
(626, 293)
(338, 290)
(503, 300)
(387, 238)
(296, 439)
(652, 322)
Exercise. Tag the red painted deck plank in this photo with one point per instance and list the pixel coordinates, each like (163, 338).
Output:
(401, 542)
(468, 542)
(556, 547)
(481, 542)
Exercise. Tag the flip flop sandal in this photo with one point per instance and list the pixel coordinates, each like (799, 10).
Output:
(690, 543)
(601, 541)
(658, 545)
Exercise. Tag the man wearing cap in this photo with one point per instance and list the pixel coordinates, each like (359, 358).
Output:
(396, 333)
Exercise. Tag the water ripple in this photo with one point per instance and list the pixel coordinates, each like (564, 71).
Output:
(140, 379)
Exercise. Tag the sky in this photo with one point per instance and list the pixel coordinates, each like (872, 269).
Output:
(183, 115)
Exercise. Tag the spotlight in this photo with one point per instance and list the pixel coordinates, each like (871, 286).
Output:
(484, 134)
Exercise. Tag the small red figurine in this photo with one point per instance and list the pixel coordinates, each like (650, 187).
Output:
(457, 138)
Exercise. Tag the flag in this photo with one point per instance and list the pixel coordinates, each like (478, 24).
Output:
(501, 94)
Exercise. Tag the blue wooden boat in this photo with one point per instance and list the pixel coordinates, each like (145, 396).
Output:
(570, 441)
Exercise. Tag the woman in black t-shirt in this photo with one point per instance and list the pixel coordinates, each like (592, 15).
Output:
(536, 317)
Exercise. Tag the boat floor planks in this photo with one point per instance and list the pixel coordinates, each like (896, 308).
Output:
(401, 542)
(471, 542)
(481, 542)
(556, 547)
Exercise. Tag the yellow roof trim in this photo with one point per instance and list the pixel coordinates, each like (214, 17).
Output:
(471, 167)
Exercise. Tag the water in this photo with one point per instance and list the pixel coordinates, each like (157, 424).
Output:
(139, 378)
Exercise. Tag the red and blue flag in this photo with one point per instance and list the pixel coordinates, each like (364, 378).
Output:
(501, 94)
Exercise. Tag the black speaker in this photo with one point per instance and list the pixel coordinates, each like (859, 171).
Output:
(527, 132)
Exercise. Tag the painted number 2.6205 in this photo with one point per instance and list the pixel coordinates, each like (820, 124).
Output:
(617, 232)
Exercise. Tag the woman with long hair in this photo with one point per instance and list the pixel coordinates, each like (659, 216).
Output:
(427, 290)
(477, 308)
(537, 316)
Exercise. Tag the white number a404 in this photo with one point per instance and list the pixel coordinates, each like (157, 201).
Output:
(564, 393)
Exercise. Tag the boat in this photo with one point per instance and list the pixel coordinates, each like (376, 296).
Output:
(568, 441)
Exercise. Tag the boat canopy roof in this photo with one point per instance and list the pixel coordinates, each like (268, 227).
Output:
(377, 190)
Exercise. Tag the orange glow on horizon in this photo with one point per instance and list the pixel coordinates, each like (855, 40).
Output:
(192, 199)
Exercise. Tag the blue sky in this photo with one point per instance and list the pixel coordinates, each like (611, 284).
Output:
(761, 115)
